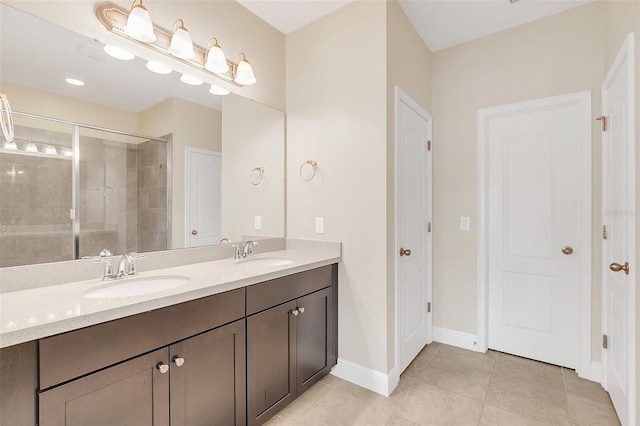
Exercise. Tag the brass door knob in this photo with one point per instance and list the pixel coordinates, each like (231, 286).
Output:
(194, 232)
(567, 250)
(405, 252)
(616, 267)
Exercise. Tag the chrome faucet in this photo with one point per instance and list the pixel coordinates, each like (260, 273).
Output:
(126, 265)
(244, 249)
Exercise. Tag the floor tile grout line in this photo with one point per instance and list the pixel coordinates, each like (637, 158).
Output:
(484, 401)
(566, 395)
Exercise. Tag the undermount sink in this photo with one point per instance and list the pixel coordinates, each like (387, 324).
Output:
(136, 286)
(260, 262)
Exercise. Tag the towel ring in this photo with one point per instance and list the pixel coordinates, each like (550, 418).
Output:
(6, 119)
(256, 176)
(311, 163)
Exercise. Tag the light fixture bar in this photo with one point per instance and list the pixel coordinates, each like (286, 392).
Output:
(114, 19)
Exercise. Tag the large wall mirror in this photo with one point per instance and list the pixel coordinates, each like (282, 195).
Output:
(185, 168)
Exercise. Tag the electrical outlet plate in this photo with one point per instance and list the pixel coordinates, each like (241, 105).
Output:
(257, 223)
(319, 225)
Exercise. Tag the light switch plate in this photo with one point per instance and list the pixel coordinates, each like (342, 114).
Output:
(257, 223)
(465, 223)
(319, 225)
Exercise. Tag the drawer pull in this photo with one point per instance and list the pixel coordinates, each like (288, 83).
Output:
(178, 361)
(164, 368)
(295, 312)
(301, 310)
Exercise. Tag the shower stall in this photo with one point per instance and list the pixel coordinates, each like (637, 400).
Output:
(69, 190)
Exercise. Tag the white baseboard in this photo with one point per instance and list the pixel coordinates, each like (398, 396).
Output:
(365, 377)
(455, 338)
(592, 372)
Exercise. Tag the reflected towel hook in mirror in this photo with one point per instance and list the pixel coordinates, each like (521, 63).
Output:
(256, 176)
(313, 165)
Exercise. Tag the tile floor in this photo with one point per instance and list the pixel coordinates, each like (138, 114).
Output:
(450, 386)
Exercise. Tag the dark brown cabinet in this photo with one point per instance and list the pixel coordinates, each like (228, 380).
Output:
(290, 346)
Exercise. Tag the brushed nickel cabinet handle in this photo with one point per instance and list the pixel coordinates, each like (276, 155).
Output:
(162, 367)
(178, 361)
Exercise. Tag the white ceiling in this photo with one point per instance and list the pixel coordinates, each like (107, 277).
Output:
(440, 23)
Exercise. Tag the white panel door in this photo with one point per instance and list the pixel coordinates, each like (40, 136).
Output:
(533, 223)
(619, 247)
(413, 215)
(203, 206)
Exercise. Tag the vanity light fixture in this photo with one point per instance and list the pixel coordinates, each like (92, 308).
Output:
(175, 44)
(242, 71)
(11, 145)
(74, 82)
(68, 152)
(181, 44)
(50, 149)
(191, 80)
(216, 61)
(31, 147)
(158, 67)
(118, 53)
(139, 25)
(217, 90)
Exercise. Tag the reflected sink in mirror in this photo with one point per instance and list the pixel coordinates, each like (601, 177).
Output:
(136, 287)
(262, 262)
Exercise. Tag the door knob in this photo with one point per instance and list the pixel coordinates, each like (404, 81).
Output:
(616, 267)
(567, 250)
(162, 367)
(178, 361)
(194, 232)
(405, 252)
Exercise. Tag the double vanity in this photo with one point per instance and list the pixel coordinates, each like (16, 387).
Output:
(219, 342)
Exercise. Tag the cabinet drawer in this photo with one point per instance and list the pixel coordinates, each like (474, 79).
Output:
(76, 353)
(271, 293)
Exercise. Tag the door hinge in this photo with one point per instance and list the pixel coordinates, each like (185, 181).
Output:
(604, 122)
(428, 145)
(429, 227)
(605, 341)
(429, 307)
(604, 232)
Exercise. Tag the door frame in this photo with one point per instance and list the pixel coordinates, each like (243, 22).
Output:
(582, 101)
(626, 52)
(401, 96)
(187, 183)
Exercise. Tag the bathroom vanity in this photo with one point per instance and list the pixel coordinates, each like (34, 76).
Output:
(233, 357)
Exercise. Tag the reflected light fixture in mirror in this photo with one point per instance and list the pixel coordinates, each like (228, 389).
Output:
(74, 81)
(31, 147)
(217, 90)
(242, 71)
(191, 80)
(216, 60)
(118, 53)
(139, 25)
(181, 44)
(158, 67)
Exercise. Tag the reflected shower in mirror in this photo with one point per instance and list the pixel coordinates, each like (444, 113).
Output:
(133, 194)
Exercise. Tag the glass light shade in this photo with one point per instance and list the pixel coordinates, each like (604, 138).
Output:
(31, 147)
(51, 150)
(68, 152)
(191, 80)
(159, 67)
(217, 90)
(118, 53)
(139, 24)
(181, 44)
(216, 61)
(244, 73)
(10, 145)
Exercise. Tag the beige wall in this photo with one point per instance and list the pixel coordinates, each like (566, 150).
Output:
(336, 115)
(408, 67)
(252, 136)
(621, 19)
(191, 125)
(552, 56)
(237, 30)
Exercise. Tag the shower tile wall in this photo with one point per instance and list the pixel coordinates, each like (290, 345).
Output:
(152, 196)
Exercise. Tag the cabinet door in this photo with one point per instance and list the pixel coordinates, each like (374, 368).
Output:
(314, 338)
(270, 362)
(208, 378)
(133, 393)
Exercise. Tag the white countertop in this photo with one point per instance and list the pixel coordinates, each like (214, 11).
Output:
(40, 312)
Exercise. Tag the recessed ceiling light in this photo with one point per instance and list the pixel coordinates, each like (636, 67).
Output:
(118, 53)
(217, 90)
(189, 79)
(158, 67)
(74, 81)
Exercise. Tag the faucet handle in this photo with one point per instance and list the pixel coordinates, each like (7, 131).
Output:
(104, 254)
